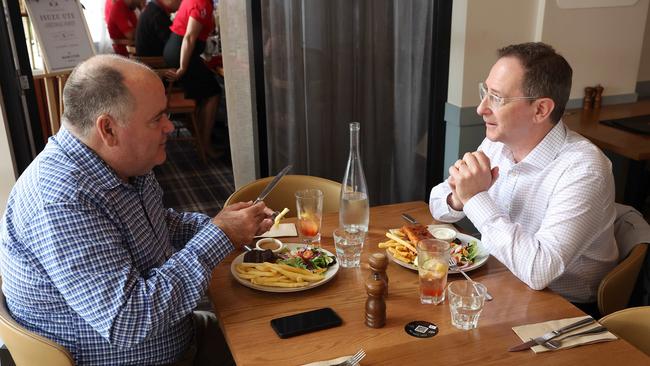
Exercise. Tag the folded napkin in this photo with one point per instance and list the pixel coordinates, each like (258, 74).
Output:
(333, 361)
(526, 332)
(281, 230)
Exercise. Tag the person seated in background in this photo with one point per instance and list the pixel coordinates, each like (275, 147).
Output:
(193, 23)
(90, 257)
(152, 31)
(541, 195)
(121, 22)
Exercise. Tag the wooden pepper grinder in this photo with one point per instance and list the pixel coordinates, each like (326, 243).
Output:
(598, 95)
(375, 304)
(588, 100)
(378, 264)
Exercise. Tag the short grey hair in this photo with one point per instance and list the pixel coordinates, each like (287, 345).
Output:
(96, 87)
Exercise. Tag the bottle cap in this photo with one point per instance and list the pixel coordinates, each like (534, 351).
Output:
(378, 261)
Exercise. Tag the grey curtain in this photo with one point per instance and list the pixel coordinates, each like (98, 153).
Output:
(331, 62)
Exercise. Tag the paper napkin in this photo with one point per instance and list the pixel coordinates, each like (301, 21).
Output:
(280, 231)
(333, 361)
(526, 332)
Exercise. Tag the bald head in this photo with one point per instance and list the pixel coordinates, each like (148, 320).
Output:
(99, 86)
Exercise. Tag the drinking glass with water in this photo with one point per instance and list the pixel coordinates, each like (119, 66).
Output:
(349, 245)
(466, 299)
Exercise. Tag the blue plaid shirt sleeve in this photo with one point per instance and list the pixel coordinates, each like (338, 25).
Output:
(184, 225)
(123, 305)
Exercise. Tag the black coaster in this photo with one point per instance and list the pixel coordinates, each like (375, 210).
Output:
(421, 329)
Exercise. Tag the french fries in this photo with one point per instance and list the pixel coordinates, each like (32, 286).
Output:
(277, 274)
(399, 246)
(276, 222)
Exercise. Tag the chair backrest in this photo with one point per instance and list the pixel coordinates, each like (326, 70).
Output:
(129, 44)
(617, 286)
(632, 324)
(159, 66)
(29, 348)
(155, 62)
(283, 195)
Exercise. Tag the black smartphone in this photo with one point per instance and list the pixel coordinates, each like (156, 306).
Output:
(306, 322)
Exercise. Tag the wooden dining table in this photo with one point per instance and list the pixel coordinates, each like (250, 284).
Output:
(245, 314)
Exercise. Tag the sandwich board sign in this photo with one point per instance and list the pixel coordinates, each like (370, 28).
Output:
(61, 31)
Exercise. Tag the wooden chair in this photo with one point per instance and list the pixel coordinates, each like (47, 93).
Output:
(176, 101)
(632, 324)
(155, 62)
(616, 287)
(28, 348)
(283, 195)
(128, 43)
(632, 233)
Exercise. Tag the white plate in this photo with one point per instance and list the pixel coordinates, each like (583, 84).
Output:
(480, 259)
(329, 274)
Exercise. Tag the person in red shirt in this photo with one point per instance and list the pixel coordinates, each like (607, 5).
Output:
(121, 22)
(193, 23)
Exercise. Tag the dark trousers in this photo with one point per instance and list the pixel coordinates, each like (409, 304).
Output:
(208, 347)
(591, 308)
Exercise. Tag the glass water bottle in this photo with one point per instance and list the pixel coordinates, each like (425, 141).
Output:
(354, 210)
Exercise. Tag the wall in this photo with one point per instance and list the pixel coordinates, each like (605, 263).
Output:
(603, 45)
(7, 168)
(643, 83)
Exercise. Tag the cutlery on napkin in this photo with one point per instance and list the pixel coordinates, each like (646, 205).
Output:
(280, 231)
(529, 331)
(331, 362)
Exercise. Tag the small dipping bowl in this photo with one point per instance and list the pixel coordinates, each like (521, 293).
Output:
(269, 243)
(444, 233)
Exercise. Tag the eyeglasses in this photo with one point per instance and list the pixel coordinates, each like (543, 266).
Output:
(160, 117)
(496, 101)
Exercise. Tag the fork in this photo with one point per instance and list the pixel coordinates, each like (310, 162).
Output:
(557, 343)
(354, 360)
(453, 265)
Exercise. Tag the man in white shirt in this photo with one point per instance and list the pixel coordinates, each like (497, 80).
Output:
(541, 195)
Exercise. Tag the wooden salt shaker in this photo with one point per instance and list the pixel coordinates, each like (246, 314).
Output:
(598, 95)
(588, 100)
(375, 304)
(378, 264)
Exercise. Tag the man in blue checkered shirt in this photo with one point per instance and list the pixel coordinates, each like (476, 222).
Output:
(89, 256)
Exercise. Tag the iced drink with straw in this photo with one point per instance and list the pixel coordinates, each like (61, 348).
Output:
(433, 265)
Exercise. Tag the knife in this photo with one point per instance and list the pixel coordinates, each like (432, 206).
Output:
(552, 334)
(409, 218)
(273, 183)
